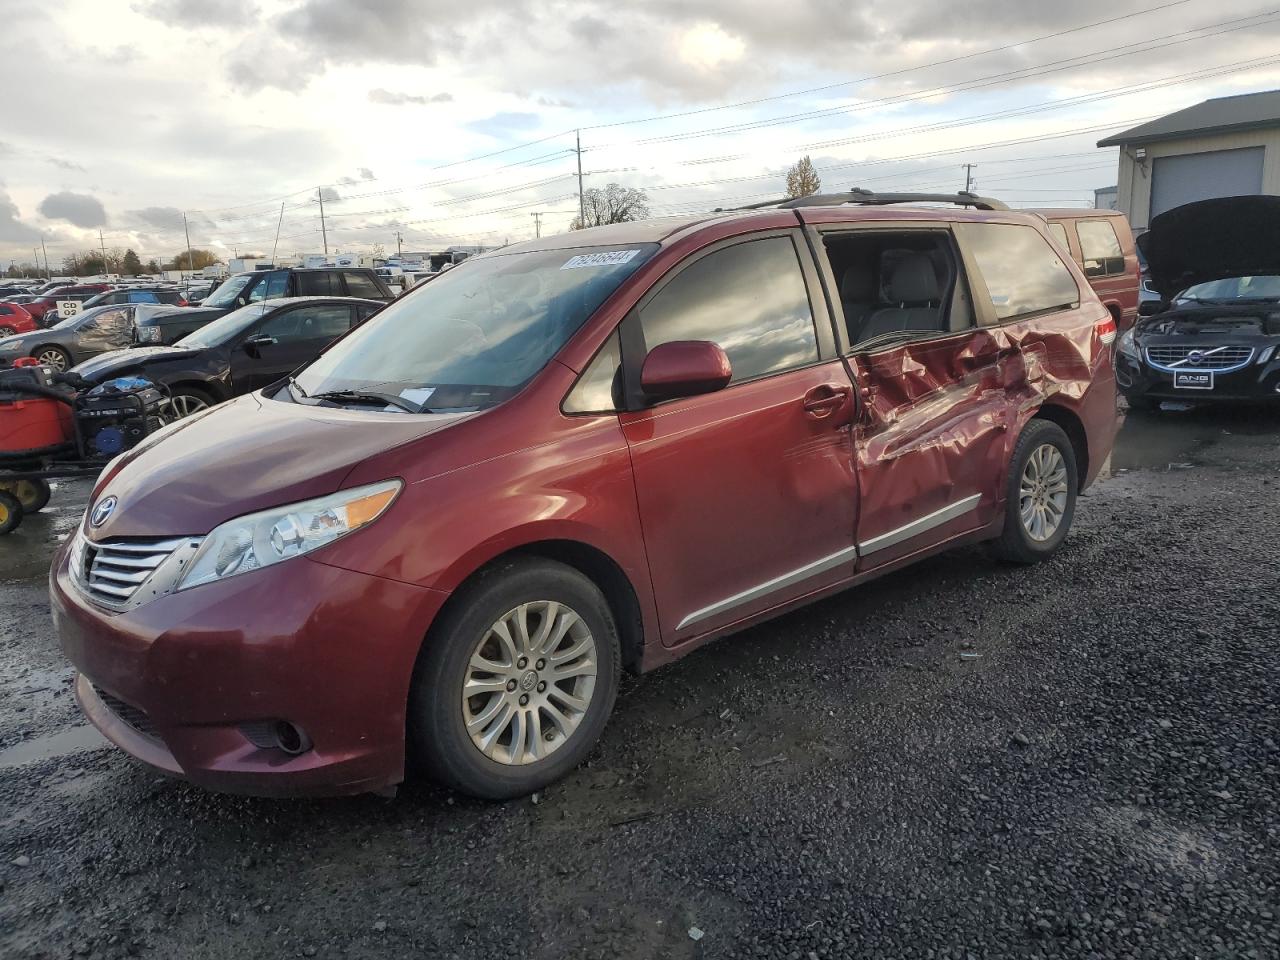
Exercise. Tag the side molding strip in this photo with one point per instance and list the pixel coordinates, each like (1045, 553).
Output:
(769, 586)
(917, 527)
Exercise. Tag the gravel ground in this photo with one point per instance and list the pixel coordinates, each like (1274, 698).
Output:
(961, 760)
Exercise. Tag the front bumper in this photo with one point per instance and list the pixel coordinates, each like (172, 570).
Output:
(181, 682)
(1257, 381)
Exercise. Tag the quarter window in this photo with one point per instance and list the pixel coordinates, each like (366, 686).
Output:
(593, 392)
(1023, 274)
(1099, 248)
(749, 298)
(1060, 234)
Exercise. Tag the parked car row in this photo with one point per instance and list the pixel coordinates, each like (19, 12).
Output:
(440, 541)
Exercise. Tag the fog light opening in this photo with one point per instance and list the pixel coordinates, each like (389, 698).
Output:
(291, 739)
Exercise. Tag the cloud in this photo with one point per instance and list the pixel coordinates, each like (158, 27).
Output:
(158, 218)
(78, 209)
(13, 230)
(64, 164)
(197, 14)
(328, 193)
(365, 173)
(394, 98)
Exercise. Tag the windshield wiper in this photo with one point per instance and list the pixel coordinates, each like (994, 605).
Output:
(368, 397)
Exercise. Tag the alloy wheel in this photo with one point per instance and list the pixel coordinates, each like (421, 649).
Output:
(1043, 492)
(529, 683)
(185, 404)
(53, 358)
(7, 331)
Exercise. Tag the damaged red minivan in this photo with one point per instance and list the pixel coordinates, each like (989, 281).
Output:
(441, 541)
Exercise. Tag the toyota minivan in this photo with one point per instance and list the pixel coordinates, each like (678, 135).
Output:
(440, 542)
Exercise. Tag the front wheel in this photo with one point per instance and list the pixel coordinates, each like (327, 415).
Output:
(515, 683)
(1040, 494)
(184, 401)
(54, 357)
(7, 331)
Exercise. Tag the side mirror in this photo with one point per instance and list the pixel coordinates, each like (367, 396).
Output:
(1151, 308)
(253, 346)
(684, 368)
(241, 302)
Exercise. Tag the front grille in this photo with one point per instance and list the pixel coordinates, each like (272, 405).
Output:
(1217, 359)
(135, 718)
(112, 571)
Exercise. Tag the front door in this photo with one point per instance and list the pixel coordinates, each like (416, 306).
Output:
(747, 496)
(285, 341)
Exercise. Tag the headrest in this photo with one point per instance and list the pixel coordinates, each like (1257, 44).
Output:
(858, 284)
(913, 280)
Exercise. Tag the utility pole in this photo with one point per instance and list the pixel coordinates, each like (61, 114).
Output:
(968, 176)
(36, 253)
(103, 247)
(582, 203)
(191, 260)
(537, 224)
(399, 240)
(323, 233)
(277, 240)
(47, 274)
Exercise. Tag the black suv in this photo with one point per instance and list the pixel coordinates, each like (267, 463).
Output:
(168, 325)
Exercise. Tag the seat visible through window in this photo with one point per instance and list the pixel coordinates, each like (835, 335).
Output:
(916, 297)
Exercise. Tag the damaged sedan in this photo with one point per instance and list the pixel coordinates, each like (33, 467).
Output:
(1213, 334)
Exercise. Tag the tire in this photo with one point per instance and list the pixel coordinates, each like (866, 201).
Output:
(32, 494)
(184, 401)
(1021, 541)
(54, 356)
(438, 732)
(7, 331)
(10, 512)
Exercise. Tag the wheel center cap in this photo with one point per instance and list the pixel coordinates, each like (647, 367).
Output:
(529, 681)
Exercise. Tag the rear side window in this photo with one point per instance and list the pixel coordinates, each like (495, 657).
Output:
(167, 296)
(749, 298)
(1099, 248)
(1022, 272)
(361, 285)
(1060, 234)
(321, 322)
(321, 283)
(140, 296)
(5, 311)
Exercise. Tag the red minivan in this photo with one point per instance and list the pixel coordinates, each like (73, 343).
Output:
(1101, 242)
(443, 539)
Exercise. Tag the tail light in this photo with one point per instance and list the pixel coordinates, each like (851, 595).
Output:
(1106, 329)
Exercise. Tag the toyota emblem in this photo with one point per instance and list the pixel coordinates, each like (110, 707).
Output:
(102, 511)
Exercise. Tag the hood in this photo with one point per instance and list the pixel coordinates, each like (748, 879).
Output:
(148, 312)
(116, 362)
(1212, 240)
(243, 456)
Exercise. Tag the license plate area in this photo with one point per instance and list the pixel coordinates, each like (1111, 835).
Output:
(1193, 380)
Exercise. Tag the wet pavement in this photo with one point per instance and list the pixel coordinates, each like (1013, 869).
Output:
(963, 759)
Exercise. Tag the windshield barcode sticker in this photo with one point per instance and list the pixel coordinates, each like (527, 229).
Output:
(599, 259)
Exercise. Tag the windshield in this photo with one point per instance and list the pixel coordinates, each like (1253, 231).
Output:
(226, 327)
(1235, 288)
(473, 336)
(227, 293)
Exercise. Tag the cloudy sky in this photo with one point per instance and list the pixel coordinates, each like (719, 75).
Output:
(453, 122)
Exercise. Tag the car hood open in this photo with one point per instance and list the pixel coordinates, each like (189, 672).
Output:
(247, 455)
(1212, 240)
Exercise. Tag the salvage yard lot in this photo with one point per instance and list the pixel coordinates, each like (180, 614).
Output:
(962, 759)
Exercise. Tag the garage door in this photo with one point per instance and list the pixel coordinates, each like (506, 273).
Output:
(1202, 176)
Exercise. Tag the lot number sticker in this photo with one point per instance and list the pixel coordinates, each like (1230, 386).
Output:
(599, 259)
(68, 308)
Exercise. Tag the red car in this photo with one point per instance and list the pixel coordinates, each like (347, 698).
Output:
(15, 319)
(444, 538)
(40, 307)
(1101, 242)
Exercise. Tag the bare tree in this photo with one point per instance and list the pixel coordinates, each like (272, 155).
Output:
(614, 204)
(802, 179)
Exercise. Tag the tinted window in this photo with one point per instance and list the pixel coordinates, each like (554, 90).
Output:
(320, 322)
(277, 284)
(1060, 234)
(476, 334)
(749, 298)
(594, 390)
(320, 283)
(361, 285)
(5, 311)
(1023, 273)
(1099, 248)
(167, 296)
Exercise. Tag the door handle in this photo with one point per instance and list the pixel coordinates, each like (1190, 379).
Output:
(824, 400)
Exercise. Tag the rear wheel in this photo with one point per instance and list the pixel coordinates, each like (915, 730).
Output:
(515, 683)
(54, 357)
(10, 512)
(7, 331)
(1040, 494)
(32, 494)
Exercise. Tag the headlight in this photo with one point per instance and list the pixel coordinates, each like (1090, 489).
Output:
(261, 539)
(1127, 346)
(148, 334)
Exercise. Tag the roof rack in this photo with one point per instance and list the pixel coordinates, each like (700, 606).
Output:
(872, 199)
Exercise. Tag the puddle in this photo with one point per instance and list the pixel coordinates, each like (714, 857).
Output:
(1179, 439)
(65, 743)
